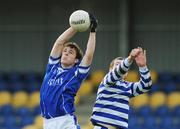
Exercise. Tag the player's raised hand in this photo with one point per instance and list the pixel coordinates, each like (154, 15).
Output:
(134, 52)
(141, 58)
(94, 22)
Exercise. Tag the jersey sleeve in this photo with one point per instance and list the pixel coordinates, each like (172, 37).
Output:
(82, 72)
(144, 84)
(51, 62)
(113, 76)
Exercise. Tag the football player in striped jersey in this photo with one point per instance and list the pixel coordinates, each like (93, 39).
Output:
(111, 107)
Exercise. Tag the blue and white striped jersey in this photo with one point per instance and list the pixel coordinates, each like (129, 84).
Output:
(112, 102)
(59, 88)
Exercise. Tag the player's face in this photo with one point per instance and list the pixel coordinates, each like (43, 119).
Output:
(68, 56)
(116, 62)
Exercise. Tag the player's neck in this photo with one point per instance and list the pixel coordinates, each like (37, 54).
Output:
(64, 66)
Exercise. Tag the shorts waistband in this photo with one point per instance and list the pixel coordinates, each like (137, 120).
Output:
(56, 118)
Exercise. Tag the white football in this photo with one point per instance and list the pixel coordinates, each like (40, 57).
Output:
(79, 20)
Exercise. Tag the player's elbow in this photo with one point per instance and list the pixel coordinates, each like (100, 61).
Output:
(148, 85)
(149, 82)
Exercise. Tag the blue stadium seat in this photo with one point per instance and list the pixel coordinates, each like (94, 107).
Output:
(176, 121)
(7, 110)
(155, 87)
(162, 111)
(36, 110)
(10, 121)
(33, 86)
(177, 78)
(144, 111)
(16, 86)
(14, 77)
(165, 77)
(156, 127)
(176, 111)
(2, 127)
(137, 127)
(30, 77)
(169, 87)
(23, 111)
(133, 122)
(3, 86)
(1, 76)
(132, 112)
(174, 127)
(1, 120)
(150, 122)
(13, 127)
(166, 122)
(27, 120)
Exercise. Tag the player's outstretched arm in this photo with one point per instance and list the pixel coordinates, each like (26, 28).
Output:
(126, 63)
(117, 73)
(60, 41)
(145, 81)
(87, 59)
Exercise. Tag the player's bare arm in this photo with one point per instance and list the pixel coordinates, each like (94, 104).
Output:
(61, 40)
(87, 59)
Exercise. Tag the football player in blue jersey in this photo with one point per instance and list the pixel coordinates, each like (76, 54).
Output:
(66, 69)
(111, 107)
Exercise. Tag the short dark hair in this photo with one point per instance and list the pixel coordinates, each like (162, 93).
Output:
(79, 53)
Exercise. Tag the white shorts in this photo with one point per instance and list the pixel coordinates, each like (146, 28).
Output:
(62, 122)
(99, 127)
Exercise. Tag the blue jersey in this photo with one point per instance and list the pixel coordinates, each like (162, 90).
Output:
(59, 88)
(112, 103)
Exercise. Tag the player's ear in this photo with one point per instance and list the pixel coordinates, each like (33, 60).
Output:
(77, 60)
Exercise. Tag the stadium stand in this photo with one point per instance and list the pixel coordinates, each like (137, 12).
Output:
(159, 109)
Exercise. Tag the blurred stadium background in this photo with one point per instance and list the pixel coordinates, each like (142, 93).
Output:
(28, 30)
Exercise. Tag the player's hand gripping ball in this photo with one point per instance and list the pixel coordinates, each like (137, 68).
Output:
(80, 20)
